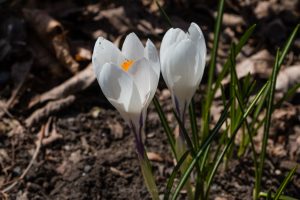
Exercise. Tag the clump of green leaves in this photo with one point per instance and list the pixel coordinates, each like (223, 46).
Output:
(202, 162)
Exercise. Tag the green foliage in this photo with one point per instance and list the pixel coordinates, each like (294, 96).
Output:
(203, 162)
(284, 183)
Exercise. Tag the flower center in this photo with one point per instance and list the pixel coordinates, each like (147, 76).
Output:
(126, 65)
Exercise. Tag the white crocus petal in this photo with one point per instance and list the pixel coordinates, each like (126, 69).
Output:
(120, 89)
(182, 57)
(133, 48)
(105, 52)
(145, 79)
(194, 32)
(201, 62)
(169, 42)
(180, 67)
(128, 78)
(139, 72)
(154, 78)
(196, 35)
(152, 55)
(171, 37)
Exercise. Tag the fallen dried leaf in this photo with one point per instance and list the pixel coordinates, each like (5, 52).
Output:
(154, 157)
(76, 156)
(283, 118)
(258, 64)
(262, 9)
(287, 78)
(119, 172)
(117, 130)
(83, 54)
(232, 20)
(277, 150)
(289, 165)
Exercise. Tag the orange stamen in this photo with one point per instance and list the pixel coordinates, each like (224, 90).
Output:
(126, 65)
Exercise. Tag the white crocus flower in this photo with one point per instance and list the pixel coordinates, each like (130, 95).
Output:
(182, 58)
(128, 78)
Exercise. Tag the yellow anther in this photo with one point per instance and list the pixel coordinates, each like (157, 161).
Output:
(126, 65)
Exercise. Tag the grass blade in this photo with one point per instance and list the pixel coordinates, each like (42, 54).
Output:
(193, 121)
(224, 71)
(239, 47)
(173, 175)
(164, 13)
(165, 125)
(288, 45)
(211, 137)
(203, 147)
(185, 134)
(282, 197)
(284, 183)
(279, 60)
(267, 125)
(212, 67)
(227, 146)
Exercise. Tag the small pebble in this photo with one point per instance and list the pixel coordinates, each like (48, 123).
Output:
(67, 147)
(95, 112)
(150, 135)
(87, 168)
(17, 170)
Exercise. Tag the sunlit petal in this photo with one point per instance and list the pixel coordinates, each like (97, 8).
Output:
(182, 57)
(133, 48)
(129, 78)
(152, 55)
(171, 37)
(196, 35)
(181, 73)
(105, 52)
(120, 89)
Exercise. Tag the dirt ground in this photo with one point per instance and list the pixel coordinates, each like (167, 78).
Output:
(61, 139)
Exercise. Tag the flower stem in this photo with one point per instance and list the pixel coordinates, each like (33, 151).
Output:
(138, 131)
(180, 149)
(148, 176)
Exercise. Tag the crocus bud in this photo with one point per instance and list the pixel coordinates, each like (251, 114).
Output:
(182, 58)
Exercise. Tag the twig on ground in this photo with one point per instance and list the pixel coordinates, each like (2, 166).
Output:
(77, 83)
(3, 195)
(48, 109)
(54, 135)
